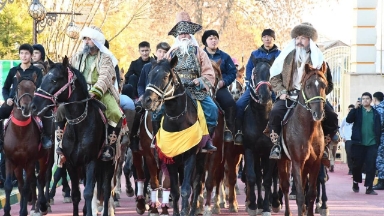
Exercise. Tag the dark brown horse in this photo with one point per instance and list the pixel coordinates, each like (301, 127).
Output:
(180, 113)
(22, 150)
(214, 164)
(84, 134)
(304, 140)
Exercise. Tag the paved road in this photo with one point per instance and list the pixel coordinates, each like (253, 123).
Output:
(342, 201)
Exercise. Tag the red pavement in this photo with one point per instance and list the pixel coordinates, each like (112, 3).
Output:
(342, 200)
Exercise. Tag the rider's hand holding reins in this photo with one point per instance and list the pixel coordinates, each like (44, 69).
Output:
(9, 101)
(91, 95)
(283, 96)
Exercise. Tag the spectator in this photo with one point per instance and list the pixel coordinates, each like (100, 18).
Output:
(365, 138)
(346, 133)
(379, 106)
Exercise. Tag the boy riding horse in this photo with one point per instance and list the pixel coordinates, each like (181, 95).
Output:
(286, 76)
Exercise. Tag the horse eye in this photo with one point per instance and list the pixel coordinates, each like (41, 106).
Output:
(53, 81)
(307, 86)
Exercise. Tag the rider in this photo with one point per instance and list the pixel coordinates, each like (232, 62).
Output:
(194, 66)
(286, 75)
(38, 58)
(26, 69)
(267, 51)
(161, 51)
(97, 64)
(210, 40)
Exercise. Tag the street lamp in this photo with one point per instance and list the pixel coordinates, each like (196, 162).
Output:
(42, 18)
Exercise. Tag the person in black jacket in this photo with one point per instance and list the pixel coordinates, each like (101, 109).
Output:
(26, 69)
(134, 71)
(365, 140)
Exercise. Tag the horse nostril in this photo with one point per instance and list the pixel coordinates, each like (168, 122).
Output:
(33, 107)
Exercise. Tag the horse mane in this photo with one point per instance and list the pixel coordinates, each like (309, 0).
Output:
(216, 68)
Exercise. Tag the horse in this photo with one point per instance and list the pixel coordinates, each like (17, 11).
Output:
(214, 164)
(236, 88)
(22, 150)
(304, 140)
(257, 146)
(180, 113)
(84, 134)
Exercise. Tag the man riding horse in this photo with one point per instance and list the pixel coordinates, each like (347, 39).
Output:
(97, 64)
(210, 40)
(195, 68)
(286, 76)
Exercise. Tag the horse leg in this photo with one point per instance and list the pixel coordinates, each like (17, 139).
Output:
(127, 174)
(189, 167)
(166, 191)
(318, 184)
(175, 191)
(75, 188)
(312, 187)
(197, 182)
(267, 183)
(218, 199)
(26, 188)
(284, 174)
(66, 189)
(298, 178)
(89, 186)
(251, 180)
(259, 177)
(324, 207)
(56, 178)
(43, 182)
(8, 185)
(232, 162)
(276, 200)
(140, 199)
(107, 173)
(209, 185)
(154, 181)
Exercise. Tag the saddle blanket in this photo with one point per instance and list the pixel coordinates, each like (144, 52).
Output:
(171, 144)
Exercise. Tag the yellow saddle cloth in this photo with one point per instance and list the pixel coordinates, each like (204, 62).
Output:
(171, 144)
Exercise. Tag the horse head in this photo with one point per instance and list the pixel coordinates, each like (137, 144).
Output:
(26, 87)
(261, 89)
(57, 86)
(313, 85)
(216, 68)
(162, 84)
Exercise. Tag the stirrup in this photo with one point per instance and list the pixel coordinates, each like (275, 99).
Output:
(325, 153)
(228, 137)
(275, 152)
(239, 138)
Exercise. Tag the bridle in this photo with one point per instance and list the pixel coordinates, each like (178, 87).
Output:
(255, 88)
(70, 85)
(167, 93)
(315, 99)
(18, 99)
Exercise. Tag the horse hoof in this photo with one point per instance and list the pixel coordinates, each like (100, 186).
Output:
(324, 212)
(266, 214)
(33, 213)
(292, 197)
(130, 192)
(233, 208)
(100, 208)
(259, 211)
(207, 211)
(44, 213)
(252, 212)
(117, 203)
(276, 209)
(49, 209)
(117, 195)
(67, 200)
(222, 205)
(140, 211)
(216, 209)
(52, 201)
(153, 214)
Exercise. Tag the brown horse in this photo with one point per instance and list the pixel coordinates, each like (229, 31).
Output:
(304, 140)
(214, 164)
(22, 150)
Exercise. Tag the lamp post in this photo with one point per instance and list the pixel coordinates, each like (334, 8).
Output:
(42, 18)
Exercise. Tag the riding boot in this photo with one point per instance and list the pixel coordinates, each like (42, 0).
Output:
(239, 134)
(46, 141)
(59, 132)
(276, 149)
(109, 150)
(379, 185)
(155, 127)
(1, 135)
(209, 145)
(230, 115)
(135, 128)
(129, 116)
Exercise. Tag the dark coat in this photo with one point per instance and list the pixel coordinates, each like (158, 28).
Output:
(135, 68)
(227, 67)
(355, 116)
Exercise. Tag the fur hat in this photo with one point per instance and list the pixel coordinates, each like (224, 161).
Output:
(40, 48)
(184, 25)
(305, 29)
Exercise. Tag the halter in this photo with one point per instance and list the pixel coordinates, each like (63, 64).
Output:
(255, 89)
(316, 99)
(70, 85)
(18, 99)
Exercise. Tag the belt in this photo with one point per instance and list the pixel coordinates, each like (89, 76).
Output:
(187, 76)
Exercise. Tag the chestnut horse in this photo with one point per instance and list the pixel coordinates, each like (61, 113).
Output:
(304, 140)
(22, 150)
(84, 134)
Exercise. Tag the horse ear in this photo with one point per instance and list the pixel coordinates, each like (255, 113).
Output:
(218, 62)
(173, 62)
(308, 68)
(254, 60)
(242, 69)
(34, 77)
(50, 63)
(324, 68)
(65, 61)
(153, 62)
(18, 76)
